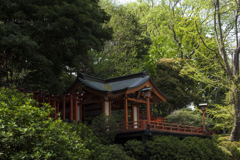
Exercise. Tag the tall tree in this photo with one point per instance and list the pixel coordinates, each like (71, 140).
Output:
(39, 40)
(124, 54)
(180, 89)
(168, 24)
(223, 19)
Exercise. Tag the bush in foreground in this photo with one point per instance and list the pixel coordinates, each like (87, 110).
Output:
(104, 127)
(186, 116)
(190, 148)
(232, 149)
(26, 132)
(134, 149)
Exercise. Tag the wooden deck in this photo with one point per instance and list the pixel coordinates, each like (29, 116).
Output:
(159, 126)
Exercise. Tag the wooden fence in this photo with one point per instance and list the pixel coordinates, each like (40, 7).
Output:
(159, 126)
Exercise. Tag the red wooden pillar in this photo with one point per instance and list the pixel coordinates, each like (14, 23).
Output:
(204, 131)
(138, 113)
(55, 107)
(80, 112)
(110, 107)
(37, 100)
(71, 108)
(49, 103)
(64, 108)
(58, 108)
(43, 100)
(103, 107)
(126, 111)
(76, 108)
(132, 112)
(148, 110)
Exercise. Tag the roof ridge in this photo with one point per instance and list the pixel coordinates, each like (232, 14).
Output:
(85, 76)
(114, 79)
(135, 75)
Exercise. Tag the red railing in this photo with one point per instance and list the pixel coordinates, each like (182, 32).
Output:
(159, 126)
(132, 125)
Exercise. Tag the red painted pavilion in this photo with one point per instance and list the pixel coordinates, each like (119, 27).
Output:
(126, 92)
(90, 96)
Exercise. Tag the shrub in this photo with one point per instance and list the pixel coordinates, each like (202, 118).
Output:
(134, 149)
(115, 152)
(162, 147)
(232, 149)
(26, 132)
(203, 149)
(104, 127)
(188, 117)
(91, 142)
(190, 148)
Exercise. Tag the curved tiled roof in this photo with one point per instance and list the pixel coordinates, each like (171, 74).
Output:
(116, 84)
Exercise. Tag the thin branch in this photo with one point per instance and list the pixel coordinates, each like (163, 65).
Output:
(236, 28)
(212, 50)
(230, 112)
(190, 56)
(220, 47)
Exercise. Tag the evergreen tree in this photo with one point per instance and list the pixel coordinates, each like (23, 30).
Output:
(40, 40)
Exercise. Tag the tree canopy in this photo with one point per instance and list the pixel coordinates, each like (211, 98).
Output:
(42, 39)
(181, 90)
(26, 132)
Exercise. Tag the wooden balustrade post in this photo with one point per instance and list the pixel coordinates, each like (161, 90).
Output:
(43, 99)
(76, 114)
(103, 106)
(58, 108)
(55, 107)
(132, 112)
(80, 110)
(37, 100)
(126, 111)
(144, 124)
(71, 108)
(49, 103)
(64, 106)
(110, 108)
(148, 110)
(204, 131)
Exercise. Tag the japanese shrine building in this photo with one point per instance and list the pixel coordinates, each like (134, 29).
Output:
(105, 95)
(126, 93)
(90, 96)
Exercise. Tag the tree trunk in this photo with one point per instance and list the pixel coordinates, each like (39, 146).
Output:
(235, 134)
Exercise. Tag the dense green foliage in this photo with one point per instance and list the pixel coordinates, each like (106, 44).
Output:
(221, 68)
(223, 114)
(125, 53)
(42, 39)
(26, 132)
(190, 118)
(104, 127)
(134, 149)
(91, 142)
(232, 149)
(190, 148)
(115, 151)
(180, 90)
(43, 44)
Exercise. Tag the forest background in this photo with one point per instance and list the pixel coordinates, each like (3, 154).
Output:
(191, 49)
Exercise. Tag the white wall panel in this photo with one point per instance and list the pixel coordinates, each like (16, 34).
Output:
(135, 116)
(107, 108)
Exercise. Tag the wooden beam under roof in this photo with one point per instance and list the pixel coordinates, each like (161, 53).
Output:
(138, 100)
